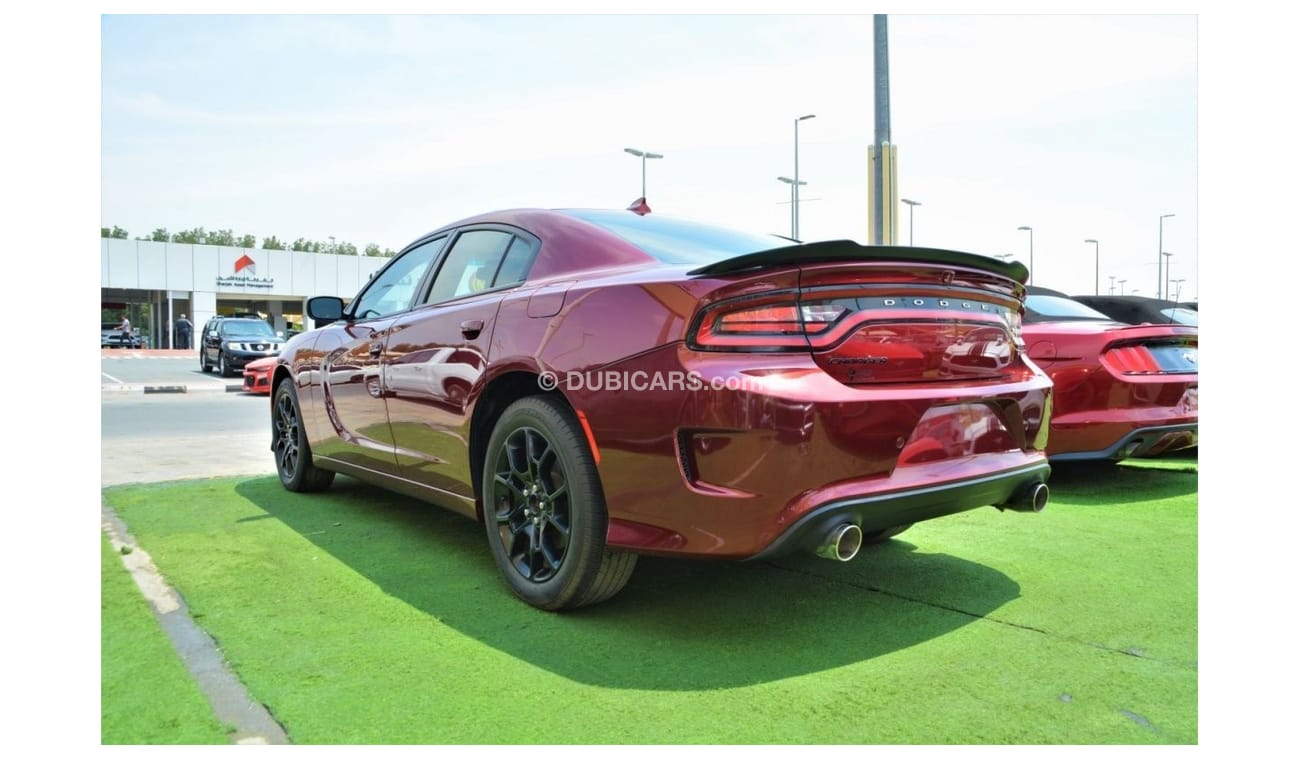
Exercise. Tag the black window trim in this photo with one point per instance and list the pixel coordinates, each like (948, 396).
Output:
(534, 242)
(349, 312)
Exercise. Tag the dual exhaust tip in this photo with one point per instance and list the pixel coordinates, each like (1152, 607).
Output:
(843, 542)
(1031, 498)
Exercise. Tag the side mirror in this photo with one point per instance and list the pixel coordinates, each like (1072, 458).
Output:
(325, 309)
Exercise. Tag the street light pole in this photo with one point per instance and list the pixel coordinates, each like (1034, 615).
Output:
(1160, 252)
(1096, 279)
(1121, 286)
(910, 206)
(1031, 252)
(794, 195)
(1179, 294)
(643, 155)
(1112, 285)
(797, 183)
(1168, 264)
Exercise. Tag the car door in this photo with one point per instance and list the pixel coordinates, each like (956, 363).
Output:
(351, 351)
(448, 338)
(211, 345)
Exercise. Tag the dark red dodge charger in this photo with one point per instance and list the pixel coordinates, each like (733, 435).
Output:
(594, 385)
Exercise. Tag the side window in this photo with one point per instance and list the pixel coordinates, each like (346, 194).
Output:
(471, 265)
(515, 266)
(392, 289)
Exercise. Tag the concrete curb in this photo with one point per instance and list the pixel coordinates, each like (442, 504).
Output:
(230, 700)
(142, 388)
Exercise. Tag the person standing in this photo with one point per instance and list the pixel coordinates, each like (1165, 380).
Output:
(184, 328)
(125, 327)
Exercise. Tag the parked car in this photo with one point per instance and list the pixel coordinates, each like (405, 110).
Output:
(257, 375)
(1120, 390)
(1137, 310)
(111, 337)
(230, 343)
(595, 385)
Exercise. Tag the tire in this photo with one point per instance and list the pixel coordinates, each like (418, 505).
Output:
(223, 367)
(881, 536)
(544, 509)
(289, 441)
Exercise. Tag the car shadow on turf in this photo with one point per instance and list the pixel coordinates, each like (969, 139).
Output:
(678, 625)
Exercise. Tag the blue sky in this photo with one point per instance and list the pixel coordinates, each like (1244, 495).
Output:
(376, 129)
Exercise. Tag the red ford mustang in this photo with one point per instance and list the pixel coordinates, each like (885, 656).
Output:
(595, 385)
(257, 375)
(1120, 390)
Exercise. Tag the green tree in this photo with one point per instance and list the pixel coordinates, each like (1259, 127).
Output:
(159, 235)
(372, 249)
(222, 237)
(190, 236)
(301, 244)
(272, 244)
(114, 232)
(345, 249)
(247, 241)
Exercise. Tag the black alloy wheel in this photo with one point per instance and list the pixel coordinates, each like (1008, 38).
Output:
(544, 509)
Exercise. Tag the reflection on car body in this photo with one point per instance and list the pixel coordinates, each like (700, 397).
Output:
(437, 374)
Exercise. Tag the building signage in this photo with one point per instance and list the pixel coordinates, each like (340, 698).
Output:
(245, 275)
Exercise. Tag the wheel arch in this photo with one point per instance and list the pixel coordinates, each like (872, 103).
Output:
(279, 375)
(499, 393)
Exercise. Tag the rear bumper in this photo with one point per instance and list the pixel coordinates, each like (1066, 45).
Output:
(1123, 431)
(879, 511)
(728, 469)
(1142, 442)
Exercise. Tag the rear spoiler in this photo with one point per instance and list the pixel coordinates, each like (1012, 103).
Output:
(846, 250)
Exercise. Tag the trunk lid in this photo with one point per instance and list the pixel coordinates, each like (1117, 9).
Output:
(878, 314)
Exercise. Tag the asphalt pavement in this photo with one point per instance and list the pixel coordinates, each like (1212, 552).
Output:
(165, 371)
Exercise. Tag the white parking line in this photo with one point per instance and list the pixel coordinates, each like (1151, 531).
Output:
(110, 377)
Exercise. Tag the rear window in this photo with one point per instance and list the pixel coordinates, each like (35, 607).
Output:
(676, 241)
(1040, 308)
(1181, 316)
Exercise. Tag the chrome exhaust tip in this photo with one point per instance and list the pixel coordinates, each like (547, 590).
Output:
(1032, 498)
(842, 543)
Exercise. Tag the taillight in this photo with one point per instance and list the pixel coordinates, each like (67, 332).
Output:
(1151, 359)
(763, 325)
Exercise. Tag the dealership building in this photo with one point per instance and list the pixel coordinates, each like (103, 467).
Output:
(155, 283)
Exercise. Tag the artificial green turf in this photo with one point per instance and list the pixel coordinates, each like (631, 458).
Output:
(146, 695)
(358, 616)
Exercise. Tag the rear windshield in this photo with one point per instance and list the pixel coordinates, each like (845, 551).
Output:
(676, 241)
(1046, 308)
(1181, 316)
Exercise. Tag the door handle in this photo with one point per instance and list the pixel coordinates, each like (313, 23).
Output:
(376, 349)
(470, 328)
